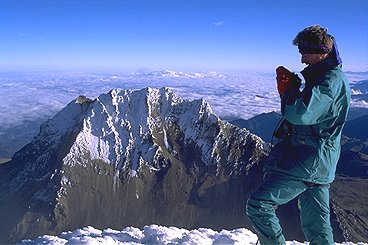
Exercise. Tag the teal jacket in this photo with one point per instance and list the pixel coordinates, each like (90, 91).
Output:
(313, 121)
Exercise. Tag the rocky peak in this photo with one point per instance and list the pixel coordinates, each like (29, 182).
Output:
(129, 128)
(126, 150)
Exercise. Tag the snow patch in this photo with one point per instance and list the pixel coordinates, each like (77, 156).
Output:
(155, 234)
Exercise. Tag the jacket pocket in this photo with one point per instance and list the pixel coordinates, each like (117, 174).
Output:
(282, 157)
(297, 154)
(304, 155)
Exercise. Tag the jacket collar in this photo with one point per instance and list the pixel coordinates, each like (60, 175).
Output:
(325, 65)
(315, 70)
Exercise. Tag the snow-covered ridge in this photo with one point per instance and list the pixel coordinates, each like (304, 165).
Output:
(129, 128)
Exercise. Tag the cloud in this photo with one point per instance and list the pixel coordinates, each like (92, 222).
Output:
(36, 97)
(21, 34)
(29, 36)
(219, 23)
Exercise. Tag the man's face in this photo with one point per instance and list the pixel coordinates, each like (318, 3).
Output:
(311, 59)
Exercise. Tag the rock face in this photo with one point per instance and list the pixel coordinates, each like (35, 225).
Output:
(130, 158)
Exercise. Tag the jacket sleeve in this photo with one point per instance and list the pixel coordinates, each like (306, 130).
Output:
(311, 106)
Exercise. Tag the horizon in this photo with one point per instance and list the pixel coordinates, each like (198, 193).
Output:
(120, 36)
(128, 72)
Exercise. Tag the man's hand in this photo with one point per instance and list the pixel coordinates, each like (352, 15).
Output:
(286, 80)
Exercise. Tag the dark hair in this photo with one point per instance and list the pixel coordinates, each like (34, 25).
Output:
(314, 35)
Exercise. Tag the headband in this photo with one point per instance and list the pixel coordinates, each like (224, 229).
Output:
(306, 48)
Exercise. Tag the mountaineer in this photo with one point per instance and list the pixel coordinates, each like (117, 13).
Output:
(302, 163)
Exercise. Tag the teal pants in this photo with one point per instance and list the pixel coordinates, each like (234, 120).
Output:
(313, 204)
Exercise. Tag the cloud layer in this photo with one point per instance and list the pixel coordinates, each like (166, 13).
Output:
(29, 99)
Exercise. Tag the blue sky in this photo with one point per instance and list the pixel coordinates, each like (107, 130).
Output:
(187, 35)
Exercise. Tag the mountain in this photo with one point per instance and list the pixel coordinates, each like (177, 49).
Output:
(359, 92)
(130, 158)
(359, 87)
(357, 128)
(357, 72)
(14, 138)
(354, 158)
(262, 125)
(356, 112)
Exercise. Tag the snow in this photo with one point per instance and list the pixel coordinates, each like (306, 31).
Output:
(356, 92)
(155, 234)
(115, 127)
(165, 139)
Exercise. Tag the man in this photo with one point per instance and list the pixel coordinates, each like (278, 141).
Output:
(303, 163)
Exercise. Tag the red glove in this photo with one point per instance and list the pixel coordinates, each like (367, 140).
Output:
(286, 80)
